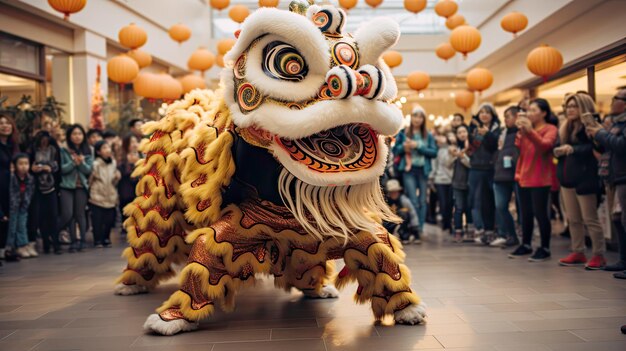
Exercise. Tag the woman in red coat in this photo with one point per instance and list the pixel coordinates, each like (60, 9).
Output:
(535, 172)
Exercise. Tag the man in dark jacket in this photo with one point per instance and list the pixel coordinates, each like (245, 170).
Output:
(613, 143)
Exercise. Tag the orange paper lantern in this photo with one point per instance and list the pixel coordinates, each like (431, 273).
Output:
(219, 4)
(219, 60)
(348, 4)
(171, 89)
(132, 36)
(414, 6)
(392, 58)
(544, 61)
(142, 58)
(479, 79)
(268, 3)
(465, 39)
(374, 3)
(224, 45)
(455, 21)
(446, 8)
(191, 82)
(147, 85)
(418, 80)
(201, 60)
(445, 51)
(67, 7)
(180, 32)
(238, 13)
(464, 99)
(122, 69)
(514, 22)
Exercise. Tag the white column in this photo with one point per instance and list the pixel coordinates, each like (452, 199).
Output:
(89, 51)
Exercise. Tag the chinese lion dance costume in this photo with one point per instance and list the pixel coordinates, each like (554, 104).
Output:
(277, 172)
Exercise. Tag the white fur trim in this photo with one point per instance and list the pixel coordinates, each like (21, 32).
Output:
(413, 314)
(377, 79)
(374, 37)
(326, 292)
(154, 323)
(391, 89)
(348, 80)
(309, 176)
(281, 89)
(294, 29)
(127, 290)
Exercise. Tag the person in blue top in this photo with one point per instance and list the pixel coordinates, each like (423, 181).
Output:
(76, 165)
(415, 147)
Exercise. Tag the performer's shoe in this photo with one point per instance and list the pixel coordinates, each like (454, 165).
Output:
(156, 324)
(127, 290)
(327, 292)
(413, 314)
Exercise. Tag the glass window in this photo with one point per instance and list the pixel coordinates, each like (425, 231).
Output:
(15, 87)
(19, 55)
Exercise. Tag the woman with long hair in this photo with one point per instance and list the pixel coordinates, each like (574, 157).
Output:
(45, 159)
(484, 133)
(580, 184)
(126, 185)
(9, 141)
(459, 184)
(534, 173)
(76, 165)
(416, 147)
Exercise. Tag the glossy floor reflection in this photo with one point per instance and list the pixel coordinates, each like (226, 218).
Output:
(478, 300)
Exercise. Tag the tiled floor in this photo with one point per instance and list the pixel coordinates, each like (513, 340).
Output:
(478, 300)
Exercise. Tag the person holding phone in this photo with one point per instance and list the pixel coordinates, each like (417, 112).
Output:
(484, 133)
(578, 174)
(76, 165)
(612, 141)
(534, 173)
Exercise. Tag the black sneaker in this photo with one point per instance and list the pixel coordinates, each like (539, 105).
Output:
(616, 267)
(511, 241)
(522, 250)
(620, 275)
(541, 254)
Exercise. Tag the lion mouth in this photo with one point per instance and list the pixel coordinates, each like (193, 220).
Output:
(346, 148)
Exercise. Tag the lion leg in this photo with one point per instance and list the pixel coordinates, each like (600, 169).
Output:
(220, 263)
(150, 256)
(375, 263)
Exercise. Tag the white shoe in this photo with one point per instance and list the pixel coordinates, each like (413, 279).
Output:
(154, 323)
(413, 314)
(31, 249)
(23, 252)
(2, 254)
(498, 242)
(326, 292)
(127, 290)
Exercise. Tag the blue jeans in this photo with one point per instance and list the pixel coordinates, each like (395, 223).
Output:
(413, 180)
(18, 235)
(461, 207)
(481, 199)
(503, 192)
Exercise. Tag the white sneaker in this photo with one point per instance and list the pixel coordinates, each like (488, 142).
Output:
(23, 252)
(31, 249)
(2, 254)
(498, 242)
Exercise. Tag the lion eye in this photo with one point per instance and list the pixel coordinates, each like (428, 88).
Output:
(283, 61)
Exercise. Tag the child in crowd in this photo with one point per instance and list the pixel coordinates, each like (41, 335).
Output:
(460, 186)
(408, 230)
(103, 197)
(443, 167)
(504, 185)
(127, 184)
(20, 194)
